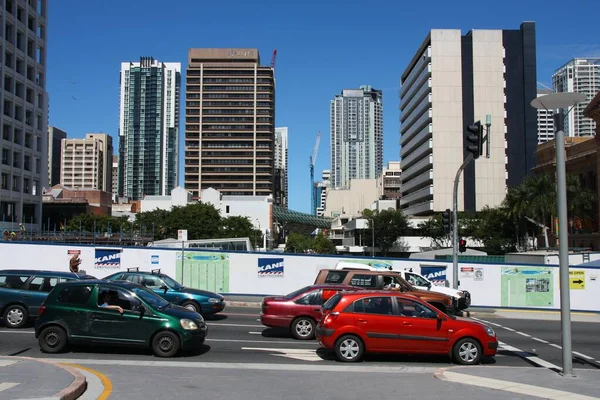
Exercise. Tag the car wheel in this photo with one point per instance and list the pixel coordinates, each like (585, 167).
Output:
(349, 348)
(192, 306)
(467, 351)
(53, 339)
(303, 328)
(165, 344)
(15, 316)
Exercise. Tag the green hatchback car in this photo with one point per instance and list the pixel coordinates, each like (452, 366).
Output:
(99, 312)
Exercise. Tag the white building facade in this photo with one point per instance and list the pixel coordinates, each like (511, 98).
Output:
(545, 120)
(281, 165)
(149, 128)
(452, 81)
(356, 133)
(581, 75)
(24, 120)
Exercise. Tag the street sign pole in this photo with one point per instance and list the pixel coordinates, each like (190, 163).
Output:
(182, 235)
(455, 221)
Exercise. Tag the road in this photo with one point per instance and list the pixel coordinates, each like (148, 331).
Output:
(240, 351)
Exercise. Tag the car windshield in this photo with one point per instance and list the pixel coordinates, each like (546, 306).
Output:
(332, 302)
(154, 300)
(296, 293)
(172, 283)
(416, 280)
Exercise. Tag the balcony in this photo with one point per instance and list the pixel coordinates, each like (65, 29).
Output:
(421, 67)
(415, 155)
(419, 209)
(423, 83)
(425, 163)
(418, 197)
(416, 183)
(416, 139)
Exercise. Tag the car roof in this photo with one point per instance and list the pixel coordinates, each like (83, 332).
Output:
(38, 273)
(380, 293)
(124, 284)
(333, 286)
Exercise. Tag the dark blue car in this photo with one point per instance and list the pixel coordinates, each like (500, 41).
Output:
(200, 301)
(22, 292)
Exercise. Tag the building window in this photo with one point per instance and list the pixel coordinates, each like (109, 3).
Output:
(4, 181)
(26, 185)
(15, 184)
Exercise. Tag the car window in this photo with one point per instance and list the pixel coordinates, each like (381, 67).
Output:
(332, 302)
(135, 278)
(416, 280)
(42, 284)
(118, 297)
(381, 305)
(295, 293)
(13, 281)
(361, 280)
(115, 277)
(170, 282)
(336, 276)
(150, 297)
(151, 282)
(410, 308)
(306, 299)
(75, 294)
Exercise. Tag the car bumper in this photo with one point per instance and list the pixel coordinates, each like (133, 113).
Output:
(325, 337)
(193, 339)
(491, 347)
(274, 321)
(212, 308)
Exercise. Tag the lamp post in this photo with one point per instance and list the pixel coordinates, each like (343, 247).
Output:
(549, 102)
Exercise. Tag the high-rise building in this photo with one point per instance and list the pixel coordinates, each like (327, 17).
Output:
(545, 120)
(24, 120)
(149, 128)
(115, 176)
(321, 192)
(356, 132)
(581, 75)
(229, 123)
(281, 166)
(452, 81)
(55, 137)
(85, 164)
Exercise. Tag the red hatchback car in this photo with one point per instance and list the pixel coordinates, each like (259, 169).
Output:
(376, 322)
(300, 310)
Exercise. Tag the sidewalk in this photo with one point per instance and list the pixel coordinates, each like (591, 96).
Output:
(26, 378)
(530, 381)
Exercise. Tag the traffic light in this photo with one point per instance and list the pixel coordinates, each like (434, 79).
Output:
(462, 245)
(475, 139)
(447, 220)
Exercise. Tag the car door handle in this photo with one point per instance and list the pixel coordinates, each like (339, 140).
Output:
(316, 309)
(362, 321)
(407, 323)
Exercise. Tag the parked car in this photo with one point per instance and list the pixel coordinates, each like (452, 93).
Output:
(22, 292)
(200, 301)
(390, 322)
(462, 298)
(376, 280)
(300, 310)
(74, 313)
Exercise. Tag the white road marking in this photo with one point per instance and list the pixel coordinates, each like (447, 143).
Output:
(583, 355)
(260, 341)
(540, 340)
(528, 356)
(7, 385)
(312, 367)
(523, 334)
(4, 362)
(513, 387)
(238, 325)
(297, 354)
(17, 332)
(508, 329)
(255, 333)
(555, 345)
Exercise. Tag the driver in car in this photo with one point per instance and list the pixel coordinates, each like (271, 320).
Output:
(108, 300)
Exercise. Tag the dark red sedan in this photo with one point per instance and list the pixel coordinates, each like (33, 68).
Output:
(389, 322)
(300, 310)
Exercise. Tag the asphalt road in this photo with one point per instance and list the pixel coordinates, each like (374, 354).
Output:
(237, 336)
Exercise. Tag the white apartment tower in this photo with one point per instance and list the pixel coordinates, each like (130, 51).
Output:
(581, 75)
(356, 132)
(452, 81)
(87, 163)
(545, 120)
(281, 166)
(321, 192)
(149, 128)
(24, 120)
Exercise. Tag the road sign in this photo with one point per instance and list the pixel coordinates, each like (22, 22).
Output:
(182, 235)
(577, 279)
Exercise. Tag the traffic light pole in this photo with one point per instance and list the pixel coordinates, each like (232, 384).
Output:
(455, 221)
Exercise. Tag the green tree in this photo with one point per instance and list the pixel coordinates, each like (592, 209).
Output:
(156, 220)
(433, 229)
(388, 226)
(101, 223)
(297, 243)
(322, 245)
(495, 230)
(202, 221)
(238, 226)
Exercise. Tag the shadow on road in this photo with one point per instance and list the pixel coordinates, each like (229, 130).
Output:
(281, 333)
(119, 351)
(216, 317)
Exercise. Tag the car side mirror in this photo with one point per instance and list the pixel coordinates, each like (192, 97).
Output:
(141, 309)
(164, 288)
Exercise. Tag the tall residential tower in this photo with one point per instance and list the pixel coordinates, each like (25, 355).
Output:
(229, 123)
(24, 117)
(452, 81)
(149, 128)
(356, 131)
(281, 166)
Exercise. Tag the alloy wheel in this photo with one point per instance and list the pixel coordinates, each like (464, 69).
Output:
(468, 352)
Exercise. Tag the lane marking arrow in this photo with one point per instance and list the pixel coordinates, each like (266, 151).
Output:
(297, 354)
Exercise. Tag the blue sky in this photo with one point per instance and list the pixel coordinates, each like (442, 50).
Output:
(323, 46)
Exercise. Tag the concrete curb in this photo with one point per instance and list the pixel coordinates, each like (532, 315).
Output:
(248, 304)
(71, 392)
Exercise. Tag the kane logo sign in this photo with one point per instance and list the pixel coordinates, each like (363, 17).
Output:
(107, 259)
(270, 267)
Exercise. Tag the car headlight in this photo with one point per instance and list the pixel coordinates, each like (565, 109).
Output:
(188, 324)
(214, 300)
(460, 293)
(489, 331)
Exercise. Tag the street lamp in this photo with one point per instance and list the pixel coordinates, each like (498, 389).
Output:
(549, 102)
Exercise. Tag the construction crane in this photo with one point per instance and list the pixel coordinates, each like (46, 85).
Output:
(313, 189)
(273, 58)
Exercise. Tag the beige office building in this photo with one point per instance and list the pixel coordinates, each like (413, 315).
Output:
(87, 163)
(229, 123)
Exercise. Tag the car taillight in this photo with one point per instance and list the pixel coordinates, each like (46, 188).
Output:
(329, 318)
(42, 309)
